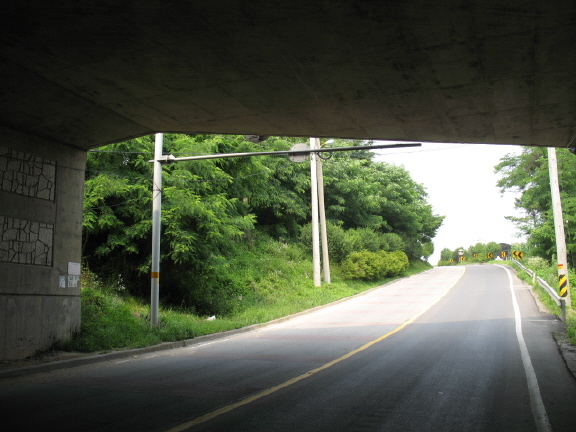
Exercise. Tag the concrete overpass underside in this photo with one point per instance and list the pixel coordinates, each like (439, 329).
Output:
(77, 75)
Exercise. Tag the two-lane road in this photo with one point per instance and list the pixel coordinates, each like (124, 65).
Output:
(453, 349)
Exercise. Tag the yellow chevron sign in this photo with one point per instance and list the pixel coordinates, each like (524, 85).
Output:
(563, 285)
(518, 254)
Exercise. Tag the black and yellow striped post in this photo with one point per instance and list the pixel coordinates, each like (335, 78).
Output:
(562, 280)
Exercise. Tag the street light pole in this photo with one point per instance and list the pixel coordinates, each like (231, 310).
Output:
(156, 225)
(315, 173)
(322, 211)
(315, 231)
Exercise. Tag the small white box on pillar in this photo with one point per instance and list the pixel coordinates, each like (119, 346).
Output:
(74, 268)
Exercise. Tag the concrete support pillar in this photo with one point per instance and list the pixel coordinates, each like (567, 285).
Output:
(41, 193)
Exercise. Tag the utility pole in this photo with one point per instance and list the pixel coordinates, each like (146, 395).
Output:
(315, 231)
(322, 210)
(156, 224)
(297, 154)
(559, 226)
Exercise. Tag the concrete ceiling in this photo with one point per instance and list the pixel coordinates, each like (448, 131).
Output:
(91, 73)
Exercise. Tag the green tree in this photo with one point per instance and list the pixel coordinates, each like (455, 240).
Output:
(382, 197)
(493, 248)
(445, 254)
(527, 173)
(427, 250)
(480, 252)
(213, 209)
(200, 220)
(279, 200)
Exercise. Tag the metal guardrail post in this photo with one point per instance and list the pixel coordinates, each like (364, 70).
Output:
(561, 302)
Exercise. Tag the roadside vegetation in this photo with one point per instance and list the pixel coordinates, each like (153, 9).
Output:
(527, 174)
(479, 254)
(114, 319)
(236, 236)
(549, 274)
(218, 215)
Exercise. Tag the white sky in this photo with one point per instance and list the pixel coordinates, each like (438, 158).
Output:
(461, 185)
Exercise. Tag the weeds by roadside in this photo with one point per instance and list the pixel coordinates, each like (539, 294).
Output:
(113, 320)
(549, 274)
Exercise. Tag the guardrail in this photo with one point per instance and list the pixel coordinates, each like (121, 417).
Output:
(553, 294)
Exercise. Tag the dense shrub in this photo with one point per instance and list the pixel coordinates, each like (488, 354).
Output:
(108, 323)
(337, 242)
(341, 242)
(363, 265)
(395, 263)
(365, 239)
(394, 241)
(413, 248)
(368, 265)
(250, 269)
(537, 263)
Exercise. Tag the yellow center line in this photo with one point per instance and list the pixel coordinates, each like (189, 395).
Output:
(206, 417)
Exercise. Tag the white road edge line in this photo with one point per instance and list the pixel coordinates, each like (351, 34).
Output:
(209, 343)
(536, 402)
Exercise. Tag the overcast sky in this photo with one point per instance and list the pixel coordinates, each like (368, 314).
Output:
(461, 185)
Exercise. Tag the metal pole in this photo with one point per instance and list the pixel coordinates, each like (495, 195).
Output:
(322, 211)
(171, 159)
(156, 224)
(315, 233)
(558, 226)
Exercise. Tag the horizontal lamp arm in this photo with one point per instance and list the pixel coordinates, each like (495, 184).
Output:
(168, 159)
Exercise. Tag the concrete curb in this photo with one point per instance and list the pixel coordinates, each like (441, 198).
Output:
(568, 352)
(115, 355)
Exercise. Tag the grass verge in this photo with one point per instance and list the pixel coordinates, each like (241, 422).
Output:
(547, 301)
(110, 320)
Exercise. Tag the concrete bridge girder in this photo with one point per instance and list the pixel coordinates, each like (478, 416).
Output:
(75, 76)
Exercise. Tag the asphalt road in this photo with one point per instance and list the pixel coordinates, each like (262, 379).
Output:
(453, 349)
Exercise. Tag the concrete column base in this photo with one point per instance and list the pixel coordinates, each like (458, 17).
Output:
(41, 193)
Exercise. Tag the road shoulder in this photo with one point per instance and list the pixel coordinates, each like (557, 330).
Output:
(567, 350)
(54, 360)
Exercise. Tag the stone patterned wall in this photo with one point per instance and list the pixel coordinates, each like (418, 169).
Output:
(25, 174)
(23, 241)
(26, 242)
